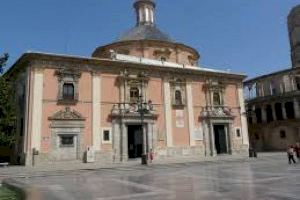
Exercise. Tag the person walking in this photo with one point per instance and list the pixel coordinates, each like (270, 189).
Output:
(290, 153)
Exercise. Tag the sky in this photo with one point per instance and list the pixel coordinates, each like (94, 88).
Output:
(248, 36)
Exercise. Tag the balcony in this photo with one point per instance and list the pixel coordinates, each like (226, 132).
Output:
(216, 112)
(133, 110)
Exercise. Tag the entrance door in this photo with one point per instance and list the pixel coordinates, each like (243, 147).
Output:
(220, 139)
(135, 141)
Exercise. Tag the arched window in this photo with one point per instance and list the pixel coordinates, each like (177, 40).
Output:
(258, 114)
(290, 112)
(278, 111)
(68, 91)
(178, 97)
(216, 99)
(134, 94)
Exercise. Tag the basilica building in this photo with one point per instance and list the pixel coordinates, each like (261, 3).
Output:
(273, 100)
(143, 93)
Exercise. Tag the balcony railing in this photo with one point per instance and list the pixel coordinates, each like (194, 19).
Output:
(133, 108)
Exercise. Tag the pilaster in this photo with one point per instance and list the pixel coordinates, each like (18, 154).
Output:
(96, 128)
(116, 141)
(124, 142)
(168, 112)
(190, 113)
(37, 106)
(213, 151)
(150, 134)
(244, 124)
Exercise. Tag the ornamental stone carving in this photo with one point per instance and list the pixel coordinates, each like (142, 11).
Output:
(67, 76)
(216, 112)
(67, 114)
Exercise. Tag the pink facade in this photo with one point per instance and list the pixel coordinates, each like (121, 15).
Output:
(143, 93)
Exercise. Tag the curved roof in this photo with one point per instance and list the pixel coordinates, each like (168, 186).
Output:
(145, 32)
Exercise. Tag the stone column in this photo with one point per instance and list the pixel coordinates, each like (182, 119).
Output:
(273, 112)
(116, 141)
(293, 83)
(213, 151)
(168, 112)
(263, 113)
(296, 108)
(283, 111)
(124, 143)
(230, 135)
(206, 138)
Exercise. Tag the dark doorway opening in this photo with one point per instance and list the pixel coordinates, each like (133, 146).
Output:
(220, 139)
(289, 107)
(135, 141)
(258, 115)
(269, 113)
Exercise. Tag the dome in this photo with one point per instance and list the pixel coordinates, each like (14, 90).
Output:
(145, 32)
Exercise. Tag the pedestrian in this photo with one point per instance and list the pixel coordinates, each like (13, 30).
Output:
(151, 155)
(297, 150)
(290, 154)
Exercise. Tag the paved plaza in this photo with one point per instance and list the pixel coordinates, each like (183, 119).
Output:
(268, 177)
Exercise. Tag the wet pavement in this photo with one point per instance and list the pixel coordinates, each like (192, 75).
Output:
(263, 178)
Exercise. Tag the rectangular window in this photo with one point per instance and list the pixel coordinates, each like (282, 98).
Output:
(134, 94)
(67, 141)
(68, 91)
(106, 135)
(238, 132)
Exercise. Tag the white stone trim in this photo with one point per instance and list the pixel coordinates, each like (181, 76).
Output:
(147, 14)
(96, 112)
(168, 112)
(27, 110)
(110, 135)
(244, 128)
(37, 108)
(152, 16)
(189, 97)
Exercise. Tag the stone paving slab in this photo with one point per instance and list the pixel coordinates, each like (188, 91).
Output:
(268, 177)
(61, 168)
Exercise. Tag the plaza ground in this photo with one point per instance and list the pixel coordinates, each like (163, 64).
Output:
(268, 177)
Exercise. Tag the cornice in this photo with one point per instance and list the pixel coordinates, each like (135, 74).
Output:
(95, 65)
